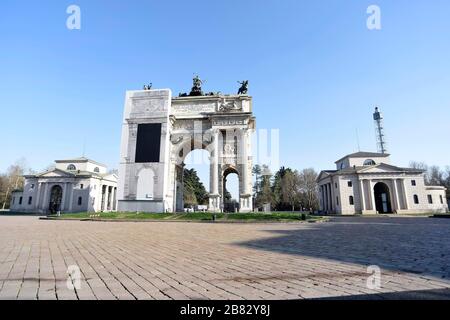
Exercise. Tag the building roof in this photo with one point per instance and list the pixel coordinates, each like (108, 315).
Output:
(75, 174)
(363, 154)
(80, 160)
(362, 169)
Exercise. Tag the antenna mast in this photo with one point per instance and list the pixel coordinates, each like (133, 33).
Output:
(379, 131)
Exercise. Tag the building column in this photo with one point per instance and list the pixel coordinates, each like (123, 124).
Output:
(106, 197)
(372, 196)
(396, 194)
(330, 196)
(38, 197)
(361, 191)
(405, 195)
(214, 175)
(333, 197)
(327, 201)
(322, 202)
(243, 161)
(64, 195)
(71, 185)
(44, 200)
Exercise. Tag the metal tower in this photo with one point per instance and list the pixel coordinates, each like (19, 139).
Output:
(379, 131)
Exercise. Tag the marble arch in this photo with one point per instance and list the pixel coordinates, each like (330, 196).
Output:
(159, 131)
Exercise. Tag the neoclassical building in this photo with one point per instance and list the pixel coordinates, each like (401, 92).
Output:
(367, 183)
(74, 185)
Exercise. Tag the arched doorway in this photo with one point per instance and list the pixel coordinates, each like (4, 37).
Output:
(230, 194)
(56, 194)
(382, 198)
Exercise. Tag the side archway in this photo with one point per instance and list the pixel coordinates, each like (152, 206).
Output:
(145, 184)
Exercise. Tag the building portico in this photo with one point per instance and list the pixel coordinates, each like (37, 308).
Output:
(366, 183)
(74, 185)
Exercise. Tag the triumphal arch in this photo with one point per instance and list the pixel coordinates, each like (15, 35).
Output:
(159, 131)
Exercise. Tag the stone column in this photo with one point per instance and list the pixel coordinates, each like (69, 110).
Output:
(326, 197)
(38, 197)
(405, 195)
(321, 199)
(362, 196)
(330, 195)
(372, 196)
(71, 185)
(64, 195)
(45, 200)
(396, 195)
(214, 175)
(115, 199)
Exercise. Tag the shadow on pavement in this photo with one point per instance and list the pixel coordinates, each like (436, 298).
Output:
(414, 245)
(432, 294)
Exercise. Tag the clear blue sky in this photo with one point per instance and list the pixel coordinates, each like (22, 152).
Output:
(315, 70)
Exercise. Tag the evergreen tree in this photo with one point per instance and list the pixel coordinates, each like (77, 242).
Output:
(194, 190)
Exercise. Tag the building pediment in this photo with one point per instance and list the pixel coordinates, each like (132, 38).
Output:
(324, 174)
(387, 168)
(56, 173)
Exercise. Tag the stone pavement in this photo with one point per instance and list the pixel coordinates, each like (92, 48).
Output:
(163, 260)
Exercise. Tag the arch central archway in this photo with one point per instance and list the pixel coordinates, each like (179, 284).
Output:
(382, 198)
(192, 157)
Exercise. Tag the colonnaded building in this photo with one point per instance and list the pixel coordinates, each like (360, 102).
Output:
(74, 185)
(159, 131)
(367, 183)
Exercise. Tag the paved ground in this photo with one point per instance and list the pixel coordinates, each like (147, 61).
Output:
(225, 261)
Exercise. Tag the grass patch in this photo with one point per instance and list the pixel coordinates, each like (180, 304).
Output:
(192, 216)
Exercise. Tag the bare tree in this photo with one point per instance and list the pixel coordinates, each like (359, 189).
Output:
(308, 187)
(14, 179)
(290, 185)
(435, 176)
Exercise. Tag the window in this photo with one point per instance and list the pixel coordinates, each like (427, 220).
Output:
(20, 200)
(430, 199)
(81, 186)
(335, 185)
(442, 200)
(351, 200)
(337, 200)
(350, 184)
(413, 183)
(32, 186)
(97, 170)
(30, 200)
(71, 167)
(416, 199)
(80, 201)
(369, 162)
